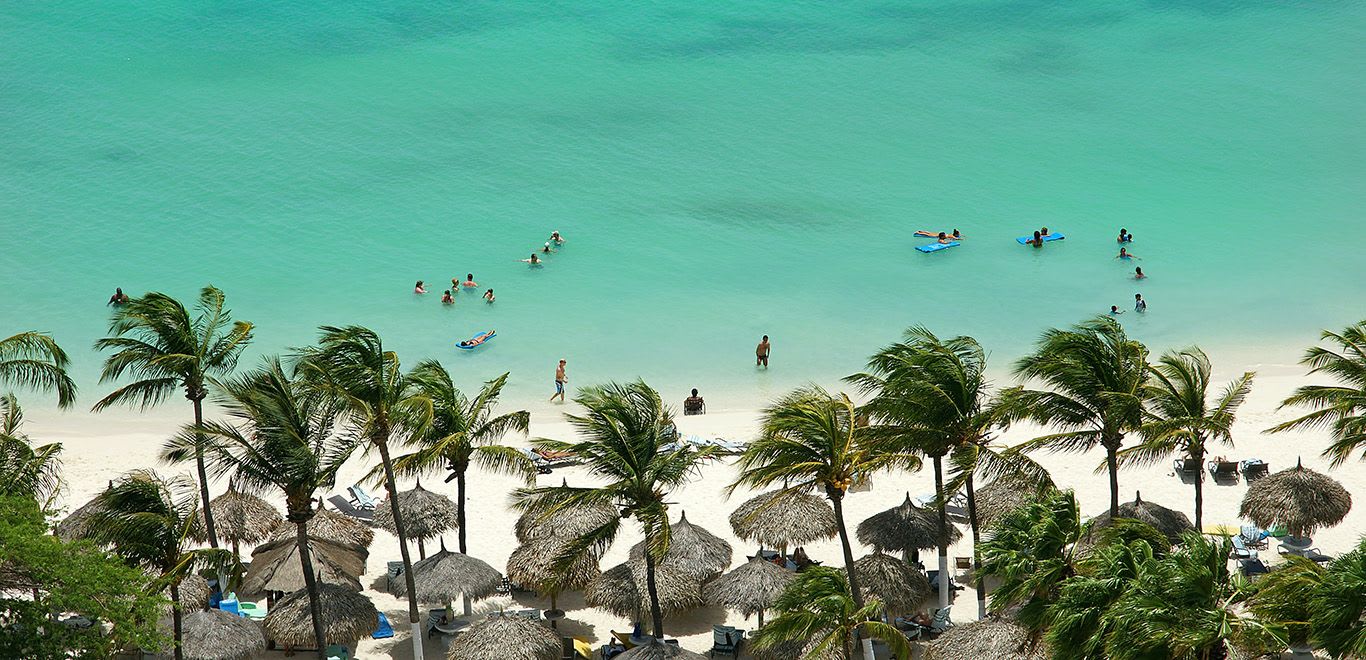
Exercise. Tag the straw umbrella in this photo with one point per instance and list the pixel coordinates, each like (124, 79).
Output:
(657, 650)
(330, 526)
(72, 526)
(1171, 523)
(194, 593)
(905, 528)
(1002, 496)
(219, 635)
(346, 615)
(749, 589)
(621, 590)
(794, 649)
(693, 550)
(501, 637)
(532, 565)
(241, 518)
(275, 565)
(893, 581)
(1299, 498)
(992, 637)
(777, 519)
(445, 575)
(570, 522)
(425, 515)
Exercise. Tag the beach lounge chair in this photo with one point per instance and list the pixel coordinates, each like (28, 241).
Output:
(1223, 470)
(625, 639)
(938, 624)
(611, 650)
(253, 611)
(1186, 466)
(437, 624)
(1241, 550)
(1251, 567)
(385, 629)
(726, 641)
(361, 499)
(963, 564)
(1254, 468)
(1253, 536)
(933, 577)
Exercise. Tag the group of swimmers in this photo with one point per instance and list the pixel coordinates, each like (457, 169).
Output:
(941, 237)
(1039, 237)
(1140, 305)
(446, 297)
(556, 239)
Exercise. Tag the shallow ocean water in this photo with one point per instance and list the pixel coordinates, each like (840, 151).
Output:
(721, 171)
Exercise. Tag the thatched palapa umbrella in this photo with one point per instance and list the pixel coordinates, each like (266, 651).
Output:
(1171, 523)
(566, 523)
(532, 565)
(346, 617)
(241, 518)
(426, 515)
(780, 518)
(446, 575)
(992, 637)
(1005, 494)
(275, 565)
(331, 526)
(693, 550)
(1299, 498)
(899, 586)
(657, 650)
(194, 593)
(219, 635)
(797, 649)
(621, 590)
(906, 528)
(501, 637)
(749, 589)
(72, 526)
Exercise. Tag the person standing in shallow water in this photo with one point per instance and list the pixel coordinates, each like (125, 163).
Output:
(118, 298)
(560, 380)
(761, 353)
(1140, 305)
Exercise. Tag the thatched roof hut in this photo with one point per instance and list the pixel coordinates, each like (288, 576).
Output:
(778, 519)
(621, 590)
(1299, 498)
(501, 637)
(72, 526)
(1171, 523)
(750, 588)
(657, 650)
(1005, 494)
(194, 593)
(346, 617)
(275, 565)
(993, 637)
(693, 550)
(570, 522)
(446, 575)
(218, 635)
(331, 526)
(531, 565)
(426, 515)
(905, 528)
(796, 649)
(240, 518)
(899, 586)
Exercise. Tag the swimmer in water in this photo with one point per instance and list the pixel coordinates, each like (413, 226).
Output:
(1115, 310)
(1140, 305)
(1124, 236)
(477, 339)
(469, 280)
(546, 248)
(534, 260)
(455, 284)
(1138, 273)
(1037, 241)
(418, 288)
(1044, 232)
(943, 238)
(956, 236)
(1124, 254)
(446, 298)
(118, 298)
(556, 238)
(488, 295)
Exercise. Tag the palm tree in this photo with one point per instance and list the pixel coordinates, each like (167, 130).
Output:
(34, 360)
(1181, 419)
(25, 470)
(1078, 627)
(931, 395)
(463, 432)
(625, 428)
(1341, 408)
(352, 374)
(285, 442)
(148, 521)
(1031, 551)
(1286, 598)
(1338, 608)
(1096, 376)
(812, 439)
(818, 612)
(155, 339)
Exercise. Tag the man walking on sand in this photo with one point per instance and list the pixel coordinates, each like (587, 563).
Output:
(761, 353)
(560, 380)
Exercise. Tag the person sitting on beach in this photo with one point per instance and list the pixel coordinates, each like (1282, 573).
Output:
(556, 238)
(1138, 273)
(418, 288)
(921, 619)
(469, 281)
(446, 298)
(1124, 236)
(1124, 254)
(1140, 305)
(694, 405)
(534, 260)
(488, 295)
(1115, 310)
(800, 559)
(118, 298)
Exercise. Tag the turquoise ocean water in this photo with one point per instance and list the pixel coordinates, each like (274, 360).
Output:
(721, 171)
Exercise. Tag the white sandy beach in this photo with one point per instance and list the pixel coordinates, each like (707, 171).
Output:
(101, 447)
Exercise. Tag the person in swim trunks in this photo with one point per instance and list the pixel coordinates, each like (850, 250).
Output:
(761, 353)
(560, 380)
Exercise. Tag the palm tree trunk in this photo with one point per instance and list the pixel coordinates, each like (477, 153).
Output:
(300, 519)
(176, 626)
(382, 443)
(976, 561)
(1112, 464)
(944, 591)
(656, 617)
(1199, 455)
(460, 510)
(421, 549)
(836, 501)
(198, 402)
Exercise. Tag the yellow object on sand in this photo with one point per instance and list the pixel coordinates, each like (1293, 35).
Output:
(583, 648)
(1221, 529)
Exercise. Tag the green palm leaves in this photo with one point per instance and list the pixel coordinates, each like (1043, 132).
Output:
(818, 613)
(28, 471)
(1340, 408)
(34, 360)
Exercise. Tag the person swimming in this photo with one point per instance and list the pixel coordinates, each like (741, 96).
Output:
(1115, 310)
(556, 238)
(1125, 236)
(1138, 273)
(1044, 232)
(469, 280)
(476, 340)
(446, 298)
(943, 238)
(488, 295)
(118, 298)
(534, 260)
(1037, 241)
(956, 236)
(418, 288)
(1124, 254)
(1140, 305)
(546, 248)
